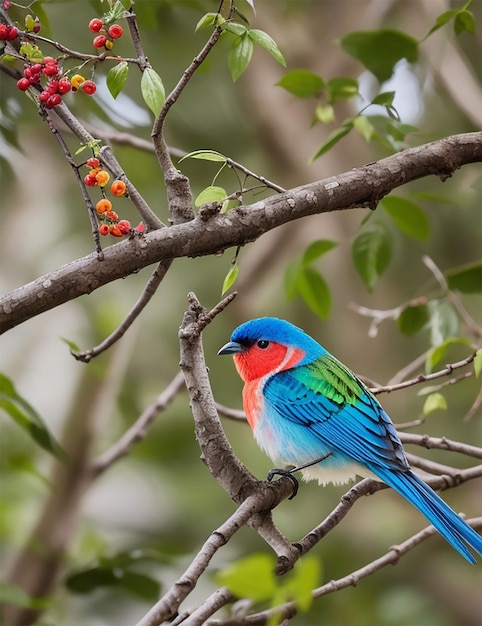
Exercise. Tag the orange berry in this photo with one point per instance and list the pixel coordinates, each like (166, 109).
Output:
(104, 230)
(102, 177)
(103, 205)
(118, 188)
(115, 230)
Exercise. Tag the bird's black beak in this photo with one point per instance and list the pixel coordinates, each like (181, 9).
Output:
(232, 347)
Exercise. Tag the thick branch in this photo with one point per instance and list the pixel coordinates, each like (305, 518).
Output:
(360, 187)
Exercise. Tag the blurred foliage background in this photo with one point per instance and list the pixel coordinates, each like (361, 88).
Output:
(161, 498)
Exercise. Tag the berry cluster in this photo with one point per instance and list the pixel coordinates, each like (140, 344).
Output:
(106, 36)
(57, 85)
(109, 223)
(8, 33)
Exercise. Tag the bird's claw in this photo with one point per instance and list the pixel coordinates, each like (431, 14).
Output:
(289, 474)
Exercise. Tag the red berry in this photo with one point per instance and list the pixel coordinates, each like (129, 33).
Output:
(36, 28)
(112, 215)
(93, 162)
(103, 230)
(89, 87)
(53, 86)
(49, 61)
(140, 228)
(99, 41)
(53, 101)
(3, 32)
(64, 86)
(124, 226)
(115, 230)
(12, 33)
(95, 25)
(116, 31)
(36, 68)
(23, 84)
(89, 180)
(44, 96)
(51, 69)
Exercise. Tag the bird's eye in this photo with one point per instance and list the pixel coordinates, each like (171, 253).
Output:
(263, 344)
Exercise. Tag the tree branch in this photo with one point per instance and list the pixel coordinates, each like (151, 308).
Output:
(360, 187)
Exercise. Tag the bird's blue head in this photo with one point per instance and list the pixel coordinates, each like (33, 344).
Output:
(268, 344)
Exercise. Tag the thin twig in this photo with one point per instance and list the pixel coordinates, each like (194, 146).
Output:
(139, 429)
(145, 297)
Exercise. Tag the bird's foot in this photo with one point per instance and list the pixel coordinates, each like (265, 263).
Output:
(289, 474)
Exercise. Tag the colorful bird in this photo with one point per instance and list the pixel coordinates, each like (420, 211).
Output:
(309, 412)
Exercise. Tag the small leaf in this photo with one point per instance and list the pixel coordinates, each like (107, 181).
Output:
(363, 125)
(116, 78)
(302, 83)
(252, 577)
(27, 418)
(210, 19)
(240, 56)
(210, 194)
(314, 291)
(464, 22)
(341, 88)
(205, 155)
(306, 577)
(478, 363)
(412, 319)
(441, 21)
(230, 279)
(269, 44)
(324, 113)
(152, 89)
(371, 253)
(438, 353)
(407, 217)
(292, 273)
(433, 402)
(334, 138)
(72, 345)
(367, 46)
(465, 278)
(316, 249)
(444, 321)
(235, 29)
(384, 99)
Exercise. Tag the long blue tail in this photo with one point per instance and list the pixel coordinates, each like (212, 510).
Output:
(452, 527)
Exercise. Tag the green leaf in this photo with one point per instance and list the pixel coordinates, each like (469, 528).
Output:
(235, 29)
(407, 217)
(11, 594)
(341, 88)
(324, 113)
(269, 44)
(433, 402)
(72, 345)
(478, 363)
(314, 291)
(316, 249)
(465, 278)
(152, 89)
(371, 253)
(27, 418)
(384, 99)
(116, 78)
(230, 278)
(240, 55)
(464, 22)
(205, 155)
(441, 21)
(305, 578)
(302, 83)
(140, 585)
(438, 353)
(412, 319)
(363, 125)
(444, 321)
(292, 273)
(380, 50)
(210, 19)
(334, 138)
(210, 194)
(252, 577)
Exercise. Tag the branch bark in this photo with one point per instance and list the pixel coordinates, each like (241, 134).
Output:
(208, 233)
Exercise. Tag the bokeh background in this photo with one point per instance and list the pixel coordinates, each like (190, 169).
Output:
(161, 496)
